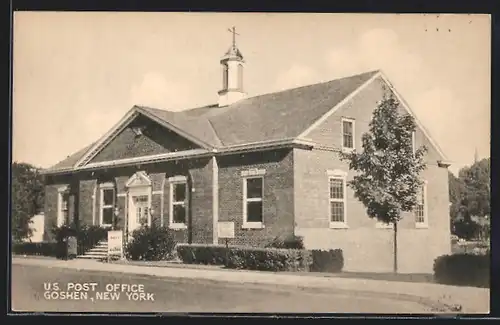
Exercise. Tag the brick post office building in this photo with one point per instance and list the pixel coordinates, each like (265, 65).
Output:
(268, 163)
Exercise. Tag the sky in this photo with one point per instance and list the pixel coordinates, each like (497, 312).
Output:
(75, 74)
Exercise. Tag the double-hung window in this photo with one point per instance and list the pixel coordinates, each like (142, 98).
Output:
(108, 197)
(347, 134)
(253, 199)
(420, 211)
(178, 202)
(63, 206)
(337, 199)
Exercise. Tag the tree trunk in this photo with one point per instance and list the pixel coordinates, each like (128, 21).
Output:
(395, 247)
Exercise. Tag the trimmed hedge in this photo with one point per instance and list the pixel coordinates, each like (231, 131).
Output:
(289, 242)
(327, 261)
(38, 249)
(202, 254)
(463, 269)
(262, 259)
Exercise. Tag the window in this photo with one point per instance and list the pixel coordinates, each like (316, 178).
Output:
(178, 202)
(63, 207)
(337, 199)
(107, 204)
(347, 134)
(240, 76)
(253, 216)
(420, 210)
(142, 209)
(224, 76)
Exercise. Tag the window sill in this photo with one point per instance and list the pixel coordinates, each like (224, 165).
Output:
(178, 226)
(253, 225)
(347, 150)
(104, 225)
(421, 226)
(380, 225)
(338, 225)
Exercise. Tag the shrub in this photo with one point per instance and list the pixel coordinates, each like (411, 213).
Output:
(87, 237)
(269, 259)
(463, 269)
(202, 254)
(327, 261)
(151, 244)
(263, 259)
(289, 242)
(38, 249)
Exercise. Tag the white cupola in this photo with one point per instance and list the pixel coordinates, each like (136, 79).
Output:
(232, 65)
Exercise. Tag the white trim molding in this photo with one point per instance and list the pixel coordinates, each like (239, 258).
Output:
(353, 123)
(157, 192)
(106, 138)
(410, 111)
(94, 203)
(162, 201)
(383, 225)
(108, 186)
(62, 191)
(252, 174)
(337, 175)
(173, 181)
(325, 116)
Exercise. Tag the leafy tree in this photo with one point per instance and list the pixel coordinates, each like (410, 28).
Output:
(477, 187)
(27, 198)
(470, 197)
(388, 180)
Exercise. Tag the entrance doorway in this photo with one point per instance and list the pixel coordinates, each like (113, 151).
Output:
(139, 211)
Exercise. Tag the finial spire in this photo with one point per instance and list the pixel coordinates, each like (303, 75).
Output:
(233, 31)
(476, 158)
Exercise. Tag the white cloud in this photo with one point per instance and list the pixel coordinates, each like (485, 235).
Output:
(376, 49)
(156, 91)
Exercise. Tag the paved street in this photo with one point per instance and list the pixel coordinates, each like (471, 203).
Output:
(180, 295)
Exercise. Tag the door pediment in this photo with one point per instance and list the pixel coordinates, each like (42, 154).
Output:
(139, 179)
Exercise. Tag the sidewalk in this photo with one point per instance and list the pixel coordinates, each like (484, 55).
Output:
(472, 300)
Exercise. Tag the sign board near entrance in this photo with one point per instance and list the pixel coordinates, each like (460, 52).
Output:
(115, 243)
(226, 229)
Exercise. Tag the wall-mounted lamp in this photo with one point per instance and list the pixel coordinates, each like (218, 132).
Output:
(116, 211)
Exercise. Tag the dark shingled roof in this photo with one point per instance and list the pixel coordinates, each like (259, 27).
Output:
(274, 116)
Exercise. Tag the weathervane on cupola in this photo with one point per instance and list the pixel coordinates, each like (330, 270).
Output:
(232, 64)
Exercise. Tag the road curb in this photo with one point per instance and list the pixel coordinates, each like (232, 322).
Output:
(432, 304)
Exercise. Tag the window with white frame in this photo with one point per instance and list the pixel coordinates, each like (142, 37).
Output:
(107, 200)
(253, 193)
(420, 210)
(337, 198)
(178, 202)
(63, 207)
(347, 134)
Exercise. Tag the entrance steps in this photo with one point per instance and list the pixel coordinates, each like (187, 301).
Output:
(98, 252)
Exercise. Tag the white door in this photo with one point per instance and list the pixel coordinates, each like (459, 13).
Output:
(139, 212)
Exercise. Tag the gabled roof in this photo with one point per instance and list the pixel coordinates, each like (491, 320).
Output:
(256, 121)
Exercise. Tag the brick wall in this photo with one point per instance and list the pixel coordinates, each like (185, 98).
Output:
(277, 201)
(366, 247)
(154, 140)
(87, 201)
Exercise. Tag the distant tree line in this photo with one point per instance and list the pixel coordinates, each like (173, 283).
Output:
(470, 201)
